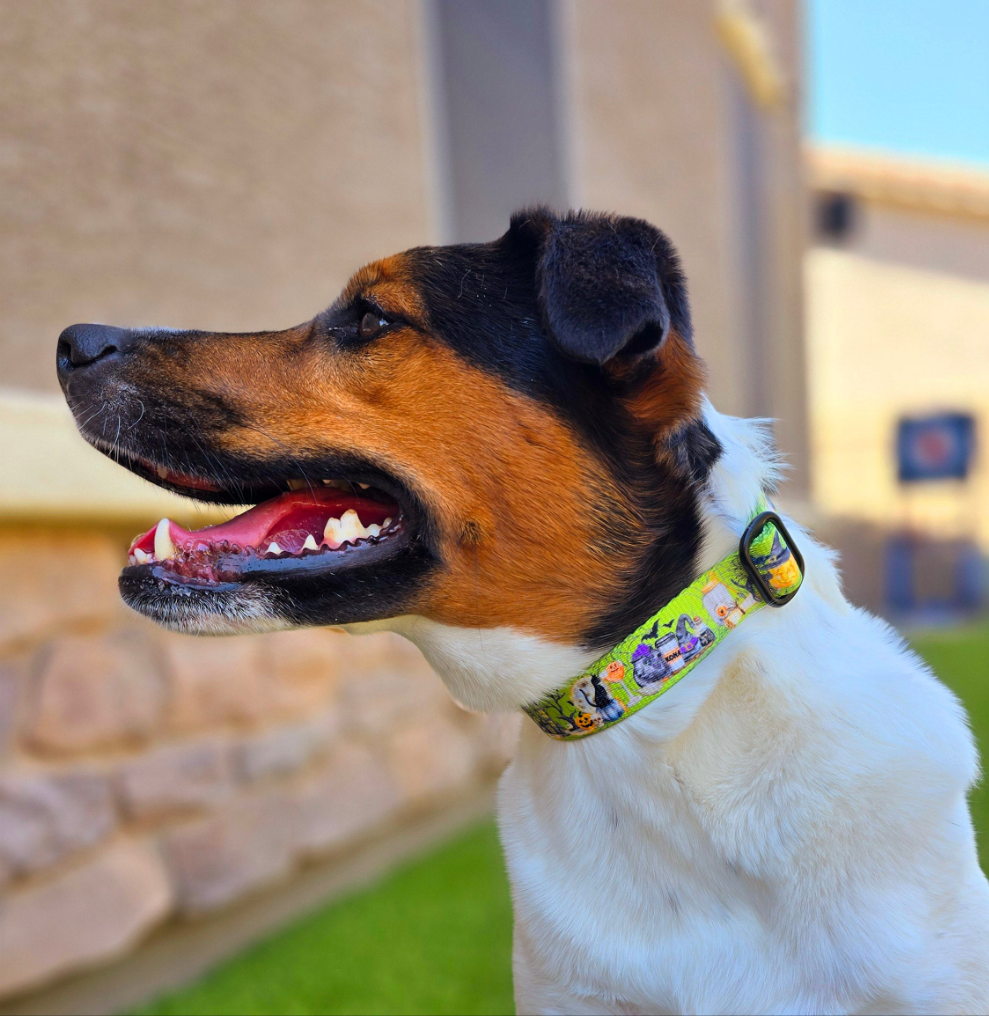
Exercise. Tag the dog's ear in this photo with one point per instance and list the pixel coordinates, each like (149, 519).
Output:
(608, 286)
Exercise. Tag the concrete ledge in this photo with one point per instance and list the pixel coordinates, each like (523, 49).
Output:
(183, 951)
(50, 473)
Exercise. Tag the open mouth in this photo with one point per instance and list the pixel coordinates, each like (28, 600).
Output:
(299, 527)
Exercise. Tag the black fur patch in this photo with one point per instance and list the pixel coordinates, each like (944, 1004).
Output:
(694, 449)
(600, 287)
(486, 301)
(542, 307)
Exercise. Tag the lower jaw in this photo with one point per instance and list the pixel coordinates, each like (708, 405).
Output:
(359, 584)
(217, 609)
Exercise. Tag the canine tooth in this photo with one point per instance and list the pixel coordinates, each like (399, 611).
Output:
(350, 526)
(363, 486)
(273, 548)
(164, 548)
(296, 484)
(310, 543)
(331, 533)
(140, 556)
(161, 471)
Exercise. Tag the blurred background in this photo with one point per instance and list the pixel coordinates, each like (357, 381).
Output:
(300, 822)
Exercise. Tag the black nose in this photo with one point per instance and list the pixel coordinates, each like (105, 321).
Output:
(81, 345)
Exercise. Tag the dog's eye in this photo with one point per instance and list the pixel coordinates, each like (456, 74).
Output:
(371, 325)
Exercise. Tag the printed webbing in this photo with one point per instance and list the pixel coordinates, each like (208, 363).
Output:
(672, 642)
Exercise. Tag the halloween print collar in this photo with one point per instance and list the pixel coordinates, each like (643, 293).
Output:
(766, 570)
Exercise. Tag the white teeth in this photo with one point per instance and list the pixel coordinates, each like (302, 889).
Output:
(346, 529)
(164, 548)
(140, 556)
(386, 523)
(310, 543)
(331, 534)
(296, 484)
(350, 526)
(363, 486)
(349, 529)
(273, 548)
(161, 471)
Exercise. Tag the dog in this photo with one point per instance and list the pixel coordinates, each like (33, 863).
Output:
(508, 445)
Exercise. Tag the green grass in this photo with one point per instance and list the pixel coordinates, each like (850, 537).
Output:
(435, 937)
(961, 659)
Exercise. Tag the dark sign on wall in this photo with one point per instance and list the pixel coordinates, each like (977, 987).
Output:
(939, 447)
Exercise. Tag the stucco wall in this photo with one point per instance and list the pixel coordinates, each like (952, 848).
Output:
(898, 314)
(886, 340)
(223, 165)
(663, 128)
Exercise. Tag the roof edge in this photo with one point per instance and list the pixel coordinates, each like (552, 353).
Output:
(923, 185)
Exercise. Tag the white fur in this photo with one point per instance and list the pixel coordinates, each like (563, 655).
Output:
(487, 669)
(785, 831)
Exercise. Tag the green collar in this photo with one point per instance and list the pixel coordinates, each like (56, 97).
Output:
(766, 569)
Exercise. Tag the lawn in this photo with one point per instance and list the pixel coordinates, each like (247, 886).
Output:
(435, 937)
(961, 659)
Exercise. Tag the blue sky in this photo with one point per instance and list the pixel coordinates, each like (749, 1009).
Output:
(906, 76)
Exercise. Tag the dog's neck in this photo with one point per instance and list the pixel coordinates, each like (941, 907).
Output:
(500, 669)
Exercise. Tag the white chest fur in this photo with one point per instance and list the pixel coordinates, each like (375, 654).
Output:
(780, 853)
(784, 831)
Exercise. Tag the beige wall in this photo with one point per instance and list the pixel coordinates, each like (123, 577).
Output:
(226, 165)
(657, 133)
(898, 319)
(886, 339)
(223, 165)
(950, 244)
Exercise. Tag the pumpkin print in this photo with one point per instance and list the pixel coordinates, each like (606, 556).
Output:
(786, 575)
(614, 672)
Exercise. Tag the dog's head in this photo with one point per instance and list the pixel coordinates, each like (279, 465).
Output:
(498, 434)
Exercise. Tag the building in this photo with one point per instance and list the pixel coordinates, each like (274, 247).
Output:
(898, 319)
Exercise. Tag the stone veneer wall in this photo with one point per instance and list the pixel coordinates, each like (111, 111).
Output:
(146, 776)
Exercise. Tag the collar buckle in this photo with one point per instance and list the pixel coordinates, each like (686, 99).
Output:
(771, 593)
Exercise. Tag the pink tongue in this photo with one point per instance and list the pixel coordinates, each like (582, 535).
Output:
(313, 507)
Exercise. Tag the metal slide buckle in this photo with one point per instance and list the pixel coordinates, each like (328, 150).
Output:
(752, 530)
